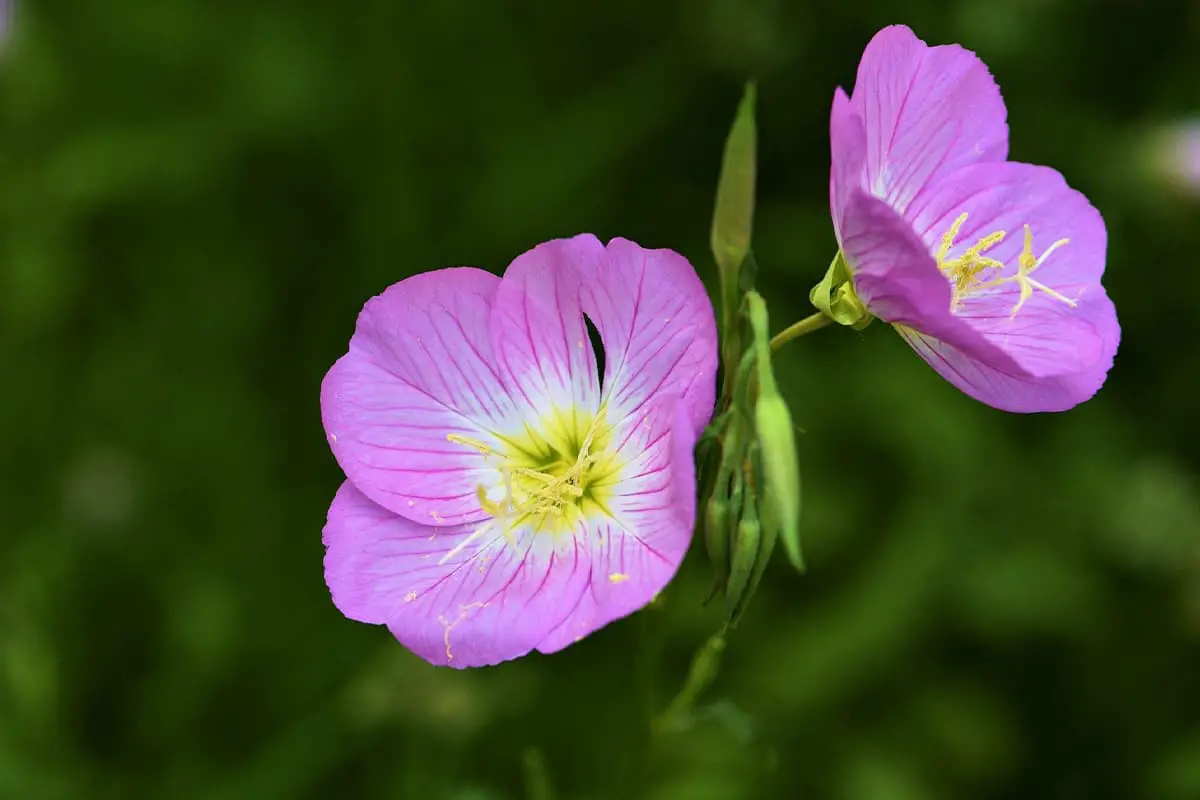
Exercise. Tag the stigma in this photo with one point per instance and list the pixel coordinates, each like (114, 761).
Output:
(546, 479)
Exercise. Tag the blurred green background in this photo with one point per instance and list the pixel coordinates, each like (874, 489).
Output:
(196, 199)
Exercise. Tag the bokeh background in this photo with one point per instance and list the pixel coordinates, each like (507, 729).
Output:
(196, 199)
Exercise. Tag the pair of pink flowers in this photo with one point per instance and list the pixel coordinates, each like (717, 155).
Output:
(502, 497)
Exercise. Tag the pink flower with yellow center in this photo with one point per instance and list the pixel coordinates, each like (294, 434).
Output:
(990, 269)
(501, 495)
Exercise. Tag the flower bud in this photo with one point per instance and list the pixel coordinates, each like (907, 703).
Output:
(716, 538)
(781, 471)
(741, 563)
(733, 216)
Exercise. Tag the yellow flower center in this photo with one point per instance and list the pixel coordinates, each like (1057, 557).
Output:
(549, 479)
(966, 271)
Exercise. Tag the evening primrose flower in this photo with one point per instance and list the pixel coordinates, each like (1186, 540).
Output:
(989, 269)
(501, 495)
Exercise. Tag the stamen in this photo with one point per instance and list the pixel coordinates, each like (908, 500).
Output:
(1026, 265)
(458, 548)
(965, 272)
(474, 444)
(535, 492)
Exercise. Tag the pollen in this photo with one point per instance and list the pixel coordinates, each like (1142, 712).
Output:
(964, 271)
(972, 272)
(618, 577)
(545, 478)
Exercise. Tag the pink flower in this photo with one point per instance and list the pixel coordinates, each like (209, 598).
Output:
(500, 497)
(989, 268)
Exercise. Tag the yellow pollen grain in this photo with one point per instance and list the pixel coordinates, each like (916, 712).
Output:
(618, 577)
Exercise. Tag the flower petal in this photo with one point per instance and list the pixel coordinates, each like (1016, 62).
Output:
(848, 157)
(658, 329)
(452, 595)
(894, 274)
(636, 550)
(538, 330)
(927, 111)
(899, 281)
(1008, 392)
(1007, 196)
(420, 367)
(1047, 336)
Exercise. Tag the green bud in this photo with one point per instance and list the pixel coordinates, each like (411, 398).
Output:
(835, 296)
(745, 542)
(776, 437)
(716, 539)
(768, 519)
(733, 224)
(733, 216)
(744, 388)
(724, 503)
(781, 471)
(760, 323)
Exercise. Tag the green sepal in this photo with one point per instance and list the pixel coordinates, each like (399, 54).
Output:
(835, 297)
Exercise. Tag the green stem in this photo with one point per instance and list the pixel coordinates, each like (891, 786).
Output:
(704, 668)
(538, 785)
(807, 325)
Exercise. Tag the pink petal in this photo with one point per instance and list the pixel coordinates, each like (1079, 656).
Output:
(420, 367)
(894, 273)
(538, 331)
(658, 329)
(848, 156)
(1009, 392)
(1046, 337)
(1007, 196)
(899, 281)
(927, 111)
(451, 599)
(637, 550)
